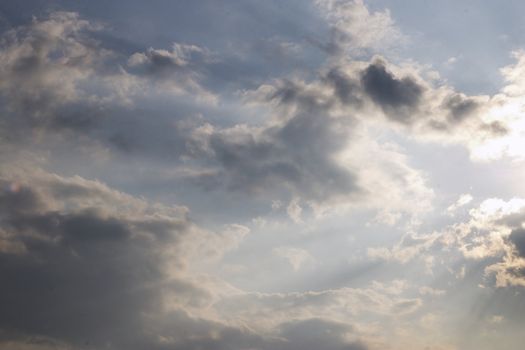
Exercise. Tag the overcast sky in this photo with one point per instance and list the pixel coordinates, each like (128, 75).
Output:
(262, 175)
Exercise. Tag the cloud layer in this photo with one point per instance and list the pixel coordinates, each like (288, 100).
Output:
(180, 188)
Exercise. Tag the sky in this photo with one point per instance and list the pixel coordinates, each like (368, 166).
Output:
(262, 175)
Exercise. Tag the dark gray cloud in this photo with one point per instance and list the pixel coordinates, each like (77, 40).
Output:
(83, 276)
(92, 276)
(345, 88)
(434, 110)
(399, 98)
(517, 237)
(460, 107)
(294, 154)
(15, 200)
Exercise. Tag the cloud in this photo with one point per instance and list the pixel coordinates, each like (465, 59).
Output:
(462, 201)
(86, 265)
(295, 256)
(356, 29)
(300, 334)
(489, 126)
(313, 146)
(179, 70)
(84, 277)
(492, 236)
(345, 88)
(294, 210)
(46, 59)
(517, 237)
(271, 310)
(294, 153)
(163, 61)
(318, 333)
(312, 122)
(59, 77)
(397, 97)
(430, 110)
(510, 271)
(460, 106)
